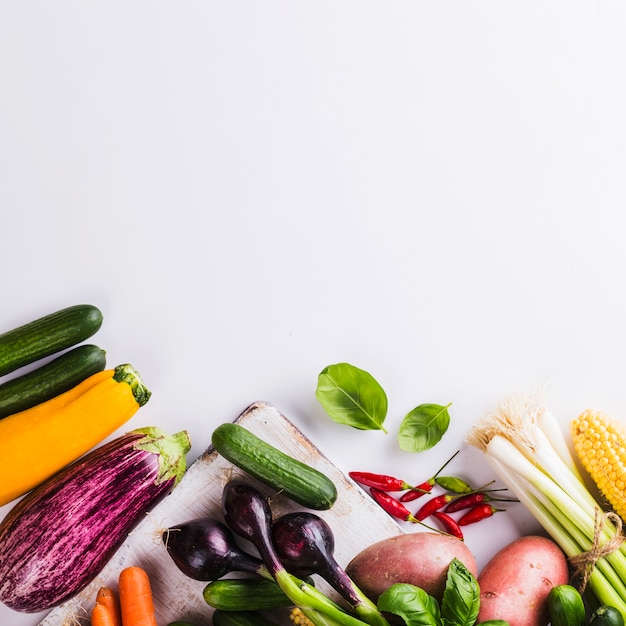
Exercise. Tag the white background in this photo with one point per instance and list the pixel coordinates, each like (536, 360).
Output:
(250, 191)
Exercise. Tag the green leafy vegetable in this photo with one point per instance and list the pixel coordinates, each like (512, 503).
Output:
(423, 427)
(460, 603)
(412, 604)
(352, 396)
(461, 597)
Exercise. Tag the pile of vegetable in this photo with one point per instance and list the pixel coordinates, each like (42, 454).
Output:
(62, 408)
(420, 578)
(525, 446)
(79, 499)
(289, 549)
(529, 453)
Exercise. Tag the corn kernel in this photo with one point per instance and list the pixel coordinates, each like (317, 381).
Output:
(600, 444)
(298, 618)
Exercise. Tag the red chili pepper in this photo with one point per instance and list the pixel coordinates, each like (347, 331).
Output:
(393, 506)
(417, 492)
(467, 502)
(426, 486)
(450, 525)
(472, 499)
(434, 504)
(478, 513)
(379, 481)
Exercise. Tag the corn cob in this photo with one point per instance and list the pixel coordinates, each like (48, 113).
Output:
(600, 445)
(298, 618)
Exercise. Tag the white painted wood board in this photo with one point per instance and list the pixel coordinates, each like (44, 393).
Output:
(356, 522)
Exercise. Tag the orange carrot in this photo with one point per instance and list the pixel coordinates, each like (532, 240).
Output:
(136, 601)
(101, 616)
(106, 611)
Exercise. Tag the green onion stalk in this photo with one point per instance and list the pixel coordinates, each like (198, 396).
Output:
(319, 608)
(319, 619)
(526, 448)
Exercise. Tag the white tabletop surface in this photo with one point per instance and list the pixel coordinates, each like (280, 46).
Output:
(251, 191)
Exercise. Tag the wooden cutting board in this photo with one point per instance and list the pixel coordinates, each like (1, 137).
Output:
(356, 522)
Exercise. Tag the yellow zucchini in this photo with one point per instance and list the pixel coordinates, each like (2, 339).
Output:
(40, 441)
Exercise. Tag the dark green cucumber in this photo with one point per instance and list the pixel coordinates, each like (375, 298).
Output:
(299, 481)
(566, 606)
(249, 594)
(606, 616)
(47, 335)
(51, 379)
(240, 618)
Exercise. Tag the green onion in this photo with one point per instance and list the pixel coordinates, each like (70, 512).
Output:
(525, 447)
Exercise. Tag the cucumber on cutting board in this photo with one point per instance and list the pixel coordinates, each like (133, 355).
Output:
(299, 481)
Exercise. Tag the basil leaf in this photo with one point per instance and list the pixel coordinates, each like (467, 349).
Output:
(412, 604)
(352, 396)
(461, 597)
(423, 427)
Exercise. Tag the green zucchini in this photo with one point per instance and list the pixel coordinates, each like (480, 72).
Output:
(249, 594)
(606, 616)
(299, 481)
(47, 335)
(51, 379)
(240, 618)
(566, 606)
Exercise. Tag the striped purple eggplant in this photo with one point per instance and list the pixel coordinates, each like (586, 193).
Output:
(59, 536)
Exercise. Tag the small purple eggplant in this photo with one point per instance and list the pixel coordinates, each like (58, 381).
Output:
(248, 514)
(59, 536)
(304, 542)
(205, 549)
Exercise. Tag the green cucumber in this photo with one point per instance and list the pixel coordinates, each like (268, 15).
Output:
(566, 606)
(240, 618)
(51, 379)
(606, 616)
(299, 481)
(47, 335)
(249, 594)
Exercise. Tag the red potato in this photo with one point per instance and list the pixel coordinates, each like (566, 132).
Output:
(420, 559)
(515, 583)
